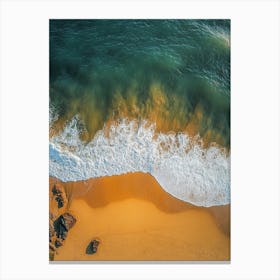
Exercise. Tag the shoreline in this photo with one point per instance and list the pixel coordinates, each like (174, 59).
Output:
(133, 209)
(86, 182)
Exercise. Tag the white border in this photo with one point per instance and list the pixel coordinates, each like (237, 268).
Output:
(255, 138)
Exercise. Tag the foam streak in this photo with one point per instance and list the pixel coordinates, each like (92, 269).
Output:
(183, 168)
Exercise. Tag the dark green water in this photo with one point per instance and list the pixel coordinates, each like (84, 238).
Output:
(171, 72)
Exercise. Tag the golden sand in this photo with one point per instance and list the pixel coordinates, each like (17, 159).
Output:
(135, 219)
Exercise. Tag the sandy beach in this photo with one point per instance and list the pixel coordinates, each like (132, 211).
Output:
(135, 219)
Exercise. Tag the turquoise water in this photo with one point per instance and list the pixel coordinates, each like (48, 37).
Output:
(171, 72)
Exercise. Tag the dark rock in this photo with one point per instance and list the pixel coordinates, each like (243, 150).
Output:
(60, 201)
(61, 230)
(92, 247)
(57, 243)
(59, 195)
(64, 235)
(95, 242)
(57, 189)
(62, 224)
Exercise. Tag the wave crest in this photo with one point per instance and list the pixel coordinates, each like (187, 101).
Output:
(181, 166)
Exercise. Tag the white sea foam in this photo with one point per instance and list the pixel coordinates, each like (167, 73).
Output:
(184, 169)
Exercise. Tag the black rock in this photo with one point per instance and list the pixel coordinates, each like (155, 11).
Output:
(57, 243)
(59, 194)
(57, 189)
(92, 247)
(60, 229)
(60, 201)
(95, 242)
(62, 224)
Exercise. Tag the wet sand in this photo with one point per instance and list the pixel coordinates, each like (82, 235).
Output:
(135, 219)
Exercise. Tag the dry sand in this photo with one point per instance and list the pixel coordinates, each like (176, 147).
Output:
(135, 219)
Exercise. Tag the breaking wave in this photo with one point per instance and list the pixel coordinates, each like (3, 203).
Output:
(180, 164)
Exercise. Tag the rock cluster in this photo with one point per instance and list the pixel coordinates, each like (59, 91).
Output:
(60, 220)
(59, 195)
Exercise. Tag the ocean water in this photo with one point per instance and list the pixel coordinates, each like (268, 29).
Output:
(143, 95)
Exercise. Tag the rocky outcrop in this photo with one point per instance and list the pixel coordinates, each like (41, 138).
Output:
(92, 246)
(62, 225)
(58, 243)
(59, 195)
(60, 220)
